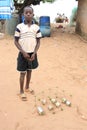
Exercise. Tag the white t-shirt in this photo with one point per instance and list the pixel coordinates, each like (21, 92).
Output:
(27, 36)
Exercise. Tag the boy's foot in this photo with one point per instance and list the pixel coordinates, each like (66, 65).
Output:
(23, 97)
(29, 90)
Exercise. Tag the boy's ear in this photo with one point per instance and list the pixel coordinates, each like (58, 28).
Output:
(33, 14)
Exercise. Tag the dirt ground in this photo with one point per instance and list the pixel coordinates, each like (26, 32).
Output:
(62, 73)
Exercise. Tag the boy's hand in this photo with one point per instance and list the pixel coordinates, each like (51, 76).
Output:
(32, 57)
(26, 55)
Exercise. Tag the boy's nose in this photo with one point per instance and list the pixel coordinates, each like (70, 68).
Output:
(28, 14)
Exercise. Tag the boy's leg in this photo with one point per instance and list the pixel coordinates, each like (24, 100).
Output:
(28, 78)
(22, 95)
(22, 77)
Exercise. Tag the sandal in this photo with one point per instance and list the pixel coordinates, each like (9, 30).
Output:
(23, 97)
(28, 90)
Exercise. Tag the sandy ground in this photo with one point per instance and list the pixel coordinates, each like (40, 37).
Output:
(62, 73)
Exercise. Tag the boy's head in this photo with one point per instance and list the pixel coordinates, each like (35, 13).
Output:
(28, 13)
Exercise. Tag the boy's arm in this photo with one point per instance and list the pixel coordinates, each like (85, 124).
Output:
(38, 37)
(37, 45)
(36, 49)
(16, 42)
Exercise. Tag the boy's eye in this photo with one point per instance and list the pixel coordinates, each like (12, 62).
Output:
(28, 12)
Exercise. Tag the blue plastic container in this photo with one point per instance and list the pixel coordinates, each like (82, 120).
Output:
(45, 31)
(44, 21)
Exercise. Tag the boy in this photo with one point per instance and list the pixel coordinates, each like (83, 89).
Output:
(27, 40)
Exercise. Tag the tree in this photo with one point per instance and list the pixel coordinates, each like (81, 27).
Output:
(81, 21)
(20, 4)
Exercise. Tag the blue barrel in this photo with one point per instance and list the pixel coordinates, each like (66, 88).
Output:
(45, 31)
(44, 21)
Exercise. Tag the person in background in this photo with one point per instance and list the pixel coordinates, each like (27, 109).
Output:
(66, 20)
(27, 40)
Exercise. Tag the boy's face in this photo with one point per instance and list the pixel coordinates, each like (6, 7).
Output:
(28, 13)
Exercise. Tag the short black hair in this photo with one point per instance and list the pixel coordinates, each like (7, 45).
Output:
(28, 7)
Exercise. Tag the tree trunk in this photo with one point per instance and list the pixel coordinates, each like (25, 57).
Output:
(81, 22)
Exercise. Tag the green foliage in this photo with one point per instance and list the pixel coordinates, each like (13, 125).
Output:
(50, 1)
(59, 20)
(20, 4)
(37, 1)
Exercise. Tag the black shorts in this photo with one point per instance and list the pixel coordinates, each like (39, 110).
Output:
(24, 65)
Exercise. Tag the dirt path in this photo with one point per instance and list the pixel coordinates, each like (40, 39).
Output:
(62, 73)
